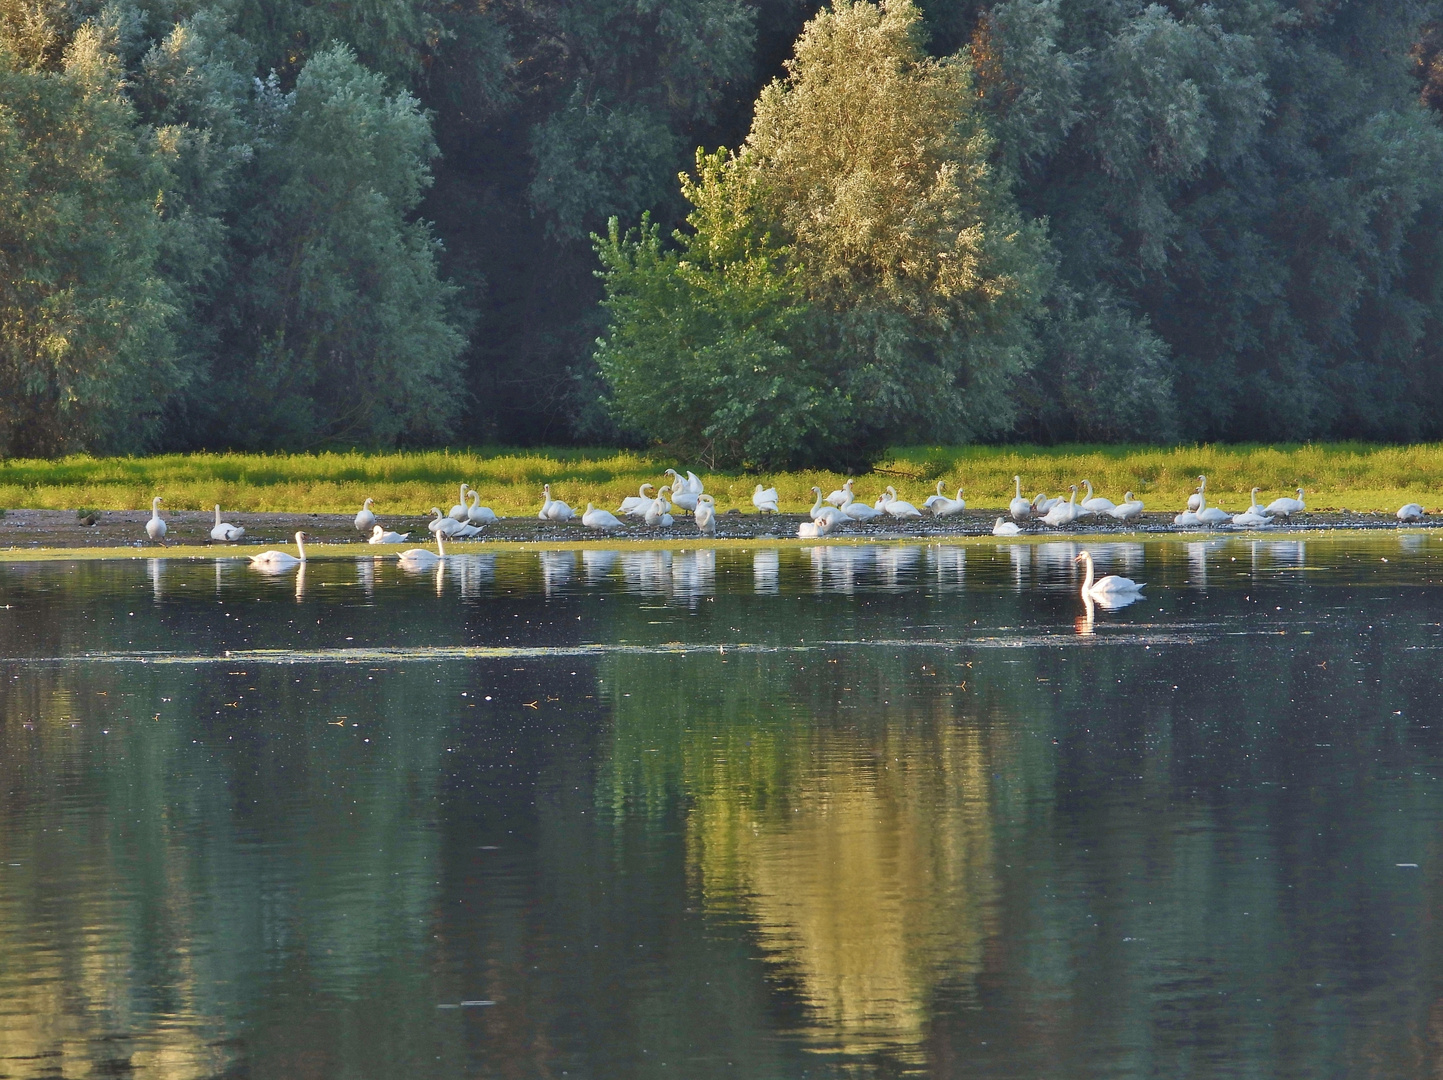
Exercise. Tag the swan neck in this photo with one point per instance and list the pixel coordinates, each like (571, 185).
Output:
(301, 545)
(1087, 579)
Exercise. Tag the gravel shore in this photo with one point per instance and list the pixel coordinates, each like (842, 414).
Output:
(32, 529)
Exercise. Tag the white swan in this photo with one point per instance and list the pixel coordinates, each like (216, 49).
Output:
(1286, 507)
(224, 530)
(659, 512)
(945, 507)
(838, 497)
(1410, 512)
(1063, 513)
(765, 499)
(706, 514)
(899, 508)
(860, 511)
(682, 493)
(809, 530)
(1213, 515)
(933, 499)
(1187, 519)
(281, 560)
(1129, 509)
(441, 525)
(687, 500)
(1253, 517)
(155, 527)
(381, 536)
(1096, 504)
(1019, 508)
(1196, 501)
(465, 530)
(1111, 585)
(554, 509)
(458, 512)
(477, 514)
(365, 519)
(1005, 528)
(830, 514)
(1041, 504)
(423, 558)
(599, 519)
(693, 483)
(635, 505)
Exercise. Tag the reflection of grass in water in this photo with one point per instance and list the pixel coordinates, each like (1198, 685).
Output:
(1357, 475)
(863, 857)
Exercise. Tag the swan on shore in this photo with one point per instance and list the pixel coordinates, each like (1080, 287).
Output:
(1129, 509)
(602, 519)
(1410, 512)
(945, 507)
(636, 505)
(830, 514)
(765, 500)
(706, 514)
(441, 524)
(458, 512)
(380, 536)
(659, 512)
(1019, 508)
(1063, 513)
(1286, 507)
(365, 519)
(225, 531)
(281, 560)
(155, 527)
(477, 514)
(1096, 504)
(1005, 528)
(899, 508)
(932, 500)
(840, 496)
(553, 509)
(1195, 501)
(860, 511)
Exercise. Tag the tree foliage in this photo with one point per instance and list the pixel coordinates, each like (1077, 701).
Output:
(869, 165)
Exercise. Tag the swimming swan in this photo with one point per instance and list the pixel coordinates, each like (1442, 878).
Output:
(1111, 585)
(281, 560)
(423, 558)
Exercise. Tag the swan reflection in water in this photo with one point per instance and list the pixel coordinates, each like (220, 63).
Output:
(366, 575)
(471, 572)
(598, 564)
(949, 566)
(837, 568)
(693, 575)
(556, 567)
(156, 570)
(1020, 555)
(646, 573)
(897, 567)
(1085, 624)
(766, 570)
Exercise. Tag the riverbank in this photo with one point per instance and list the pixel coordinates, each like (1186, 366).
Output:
(55, 533)
(1339, 477)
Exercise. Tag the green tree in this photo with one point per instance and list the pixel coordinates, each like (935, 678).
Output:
(870, 164)
(86, 356)
(336, 323)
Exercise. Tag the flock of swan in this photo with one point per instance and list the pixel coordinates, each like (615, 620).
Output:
(660, 507)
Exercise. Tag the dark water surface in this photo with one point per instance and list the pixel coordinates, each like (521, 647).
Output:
(823, 812)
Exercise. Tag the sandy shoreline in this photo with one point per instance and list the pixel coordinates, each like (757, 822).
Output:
(29, 532)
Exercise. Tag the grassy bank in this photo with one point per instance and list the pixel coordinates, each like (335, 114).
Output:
(1352, 476)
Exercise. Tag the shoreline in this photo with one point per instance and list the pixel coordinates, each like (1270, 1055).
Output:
(34, 535)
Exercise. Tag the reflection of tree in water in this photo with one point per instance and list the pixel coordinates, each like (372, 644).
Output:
(862, 857)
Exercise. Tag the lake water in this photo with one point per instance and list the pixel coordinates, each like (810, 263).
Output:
(831, 812)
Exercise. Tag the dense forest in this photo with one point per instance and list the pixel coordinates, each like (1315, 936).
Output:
(759, 230)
